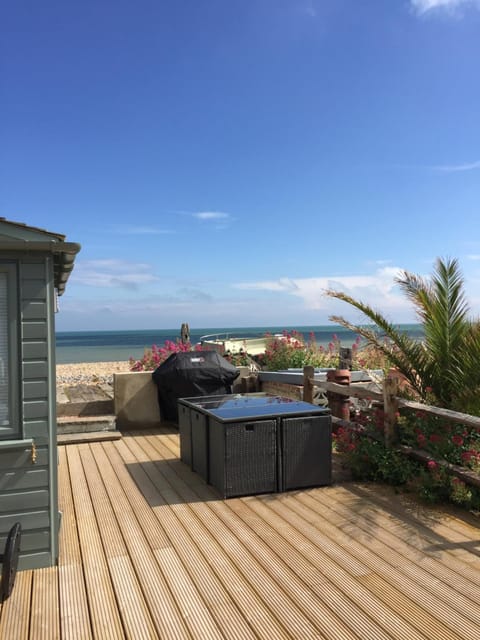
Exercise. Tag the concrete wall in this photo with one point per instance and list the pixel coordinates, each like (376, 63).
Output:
(135, 400)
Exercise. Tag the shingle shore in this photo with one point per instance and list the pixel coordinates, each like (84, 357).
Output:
(89, 372)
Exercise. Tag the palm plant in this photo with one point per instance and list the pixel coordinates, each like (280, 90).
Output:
(446, 363)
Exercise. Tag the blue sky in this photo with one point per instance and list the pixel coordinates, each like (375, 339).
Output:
(223, 163)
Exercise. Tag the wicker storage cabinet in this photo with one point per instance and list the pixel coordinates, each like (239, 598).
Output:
(243, 457)
(306, 451)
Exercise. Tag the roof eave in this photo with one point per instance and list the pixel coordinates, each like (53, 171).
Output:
(64, 254)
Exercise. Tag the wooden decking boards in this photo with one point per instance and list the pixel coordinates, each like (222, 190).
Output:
(148, 550)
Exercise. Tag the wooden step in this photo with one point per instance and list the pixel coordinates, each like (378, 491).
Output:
(95, 436)
(85, 424)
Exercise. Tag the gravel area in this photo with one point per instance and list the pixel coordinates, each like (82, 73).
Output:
(89, 372)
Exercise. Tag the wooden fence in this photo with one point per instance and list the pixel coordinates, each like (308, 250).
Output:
(387, 395)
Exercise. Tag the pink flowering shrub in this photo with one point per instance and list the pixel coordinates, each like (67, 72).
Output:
(292, 351)
(365, 454)
(153, 357)
(453, 442)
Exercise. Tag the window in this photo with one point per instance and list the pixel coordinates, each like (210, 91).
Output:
(9, 427)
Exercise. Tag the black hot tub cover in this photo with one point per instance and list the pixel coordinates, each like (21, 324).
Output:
(187, 374)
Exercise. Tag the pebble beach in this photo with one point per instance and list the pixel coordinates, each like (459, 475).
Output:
(89, 373)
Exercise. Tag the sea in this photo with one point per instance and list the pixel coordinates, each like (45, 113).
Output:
(112, 346)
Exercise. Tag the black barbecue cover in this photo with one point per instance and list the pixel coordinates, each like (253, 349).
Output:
(191, 373)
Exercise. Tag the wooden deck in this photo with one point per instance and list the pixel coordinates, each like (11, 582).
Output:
(148, 550)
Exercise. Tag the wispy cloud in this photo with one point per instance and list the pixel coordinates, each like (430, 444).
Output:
(423, 6)
(474, 257)
(112, 273)
(211, 215)
(219, 220)
(453, 168)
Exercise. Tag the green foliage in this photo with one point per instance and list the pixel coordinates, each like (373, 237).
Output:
(444, 365)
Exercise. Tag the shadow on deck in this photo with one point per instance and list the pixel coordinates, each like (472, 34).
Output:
(148, 550)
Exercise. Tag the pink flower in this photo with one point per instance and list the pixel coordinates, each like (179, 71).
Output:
(432, 465)
(421, 439)
(458, 440)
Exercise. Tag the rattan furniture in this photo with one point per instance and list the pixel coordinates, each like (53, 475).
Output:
(256, 443)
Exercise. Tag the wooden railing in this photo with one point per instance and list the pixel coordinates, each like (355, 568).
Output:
(387, 395)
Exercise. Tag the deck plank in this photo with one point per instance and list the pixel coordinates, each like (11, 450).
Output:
(149, 550)
(183, 590)
(136, 618)
(44, 619)
(15, 618)
(253, 607)
(74, 612)
(389, 553)
(105, 618)
(434, 610)
(353, 616)
(323, 617)
(284, 604)
(229, 619)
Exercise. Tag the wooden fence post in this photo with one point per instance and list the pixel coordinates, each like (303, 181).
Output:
(345, 358)
(308, 374)
(390, 408)
(184, 333)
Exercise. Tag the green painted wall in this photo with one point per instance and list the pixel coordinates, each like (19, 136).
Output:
(28, 487)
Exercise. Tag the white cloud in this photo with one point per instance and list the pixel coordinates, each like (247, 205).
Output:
(423, 6)
(211, 215)
(468, 166)
(112, 273)
(378, 289)
(282, 302)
